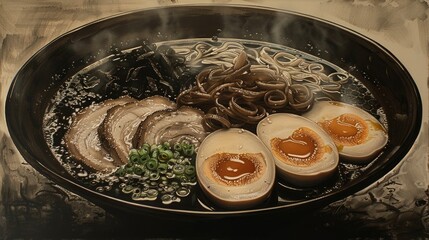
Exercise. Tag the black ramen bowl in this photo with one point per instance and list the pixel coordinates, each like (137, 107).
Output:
(33, 89)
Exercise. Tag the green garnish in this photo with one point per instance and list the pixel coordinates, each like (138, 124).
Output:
(161, 170)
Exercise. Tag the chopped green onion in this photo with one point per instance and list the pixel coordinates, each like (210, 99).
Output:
(172, 162)
(186, 161)
(162, 167)
(128, 189)
(189, 150)
(170, 175)
(178, 169)
(152, 193)
(159, 169)
(129, 170)
(143, 153)
(166, 145)
(155, 153)
(183, 192)
(182, 178)
(120, 172)
(146, 174)
(176, 154)
(192, 178)
(153, 147)
(152, 164)
(146, 147)
(134, 157)
(189, 170)
(164, 155)
(138, 169)
(154, 176)
(133, 152)
(177, 147)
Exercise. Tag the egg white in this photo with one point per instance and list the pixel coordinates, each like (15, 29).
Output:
(282, 125)
(236, 141)
(360, 153)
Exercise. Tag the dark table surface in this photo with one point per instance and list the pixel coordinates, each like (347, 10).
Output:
(396, 206)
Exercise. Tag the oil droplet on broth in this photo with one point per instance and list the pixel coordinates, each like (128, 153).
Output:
(82, 174)
(183, 192)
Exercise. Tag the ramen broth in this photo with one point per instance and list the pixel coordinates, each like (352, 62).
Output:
(169, 69)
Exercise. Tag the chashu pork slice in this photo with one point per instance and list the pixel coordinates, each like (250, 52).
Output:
(171, 126)
(82, 139)
(121, 123)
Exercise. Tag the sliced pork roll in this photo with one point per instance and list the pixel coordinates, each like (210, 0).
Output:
(121, 123)
(171, 126)
(82, 139)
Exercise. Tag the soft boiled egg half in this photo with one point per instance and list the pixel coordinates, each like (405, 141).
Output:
(358, 135)
(235, 169)
(304, 153)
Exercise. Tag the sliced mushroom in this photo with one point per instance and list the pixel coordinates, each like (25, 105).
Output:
(121, 123)
(82, 139)
(171, 126)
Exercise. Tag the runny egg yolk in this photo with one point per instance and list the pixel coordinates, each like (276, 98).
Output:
(303, 147)
(236, 169)
(346, 129)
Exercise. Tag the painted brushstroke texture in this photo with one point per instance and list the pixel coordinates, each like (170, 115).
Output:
(32, 206)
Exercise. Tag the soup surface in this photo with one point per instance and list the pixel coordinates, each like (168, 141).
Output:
(175, 70)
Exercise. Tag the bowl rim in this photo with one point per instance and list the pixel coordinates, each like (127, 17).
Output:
(89, 194)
